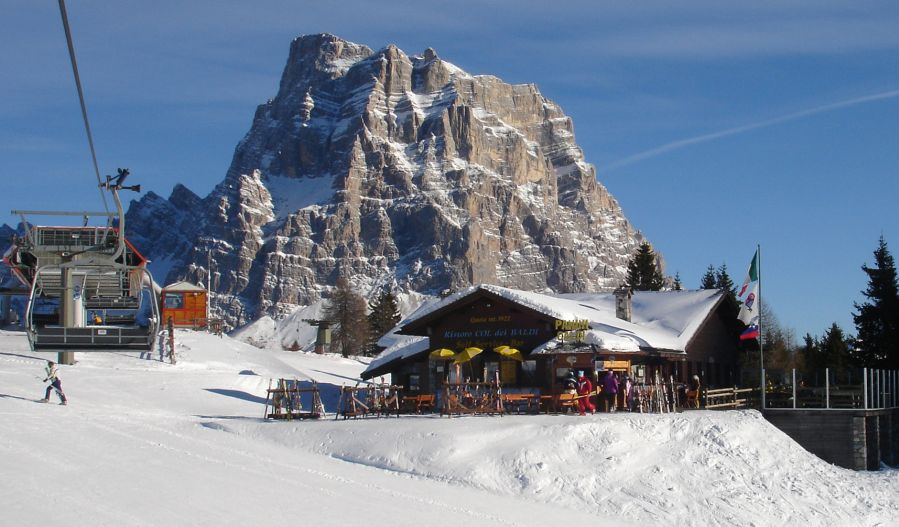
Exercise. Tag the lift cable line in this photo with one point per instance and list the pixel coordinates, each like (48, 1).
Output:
(90, 290)
(87, 126)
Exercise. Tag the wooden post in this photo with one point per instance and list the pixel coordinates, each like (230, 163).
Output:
(794, 388)
(171, 329)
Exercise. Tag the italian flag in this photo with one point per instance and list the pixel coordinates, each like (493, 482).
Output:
(752, 276)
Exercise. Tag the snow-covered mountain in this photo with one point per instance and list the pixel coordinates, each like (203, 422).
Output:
(393, 170)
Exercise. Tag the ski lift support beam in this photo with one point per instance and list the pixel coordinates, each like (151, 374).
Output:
(84, 214)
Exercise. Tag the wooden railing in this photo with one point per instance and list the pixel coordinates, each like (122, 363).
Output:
(730, 398)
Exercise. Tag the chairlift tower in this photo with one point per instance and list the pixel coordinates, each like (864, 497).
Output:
(89, 289)
(322, 336)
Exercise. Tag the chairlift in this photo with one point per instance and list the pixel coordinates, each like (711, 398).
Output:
(90, 288)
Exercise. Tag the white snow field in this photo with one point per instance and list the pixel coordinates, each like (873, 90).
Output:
(149, 443)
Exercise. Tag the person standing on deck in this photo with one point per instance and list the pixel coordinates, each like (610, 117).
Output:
(55, 383)
(610, 391)
(585, 392)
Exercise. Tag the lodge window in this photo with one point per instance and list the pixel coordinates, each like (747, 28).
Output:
(507, 370)
(491, 368)
(529, 373)
(174, 301)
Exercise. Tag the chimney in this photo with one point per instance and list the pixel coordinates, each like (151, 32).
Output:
(623, 305)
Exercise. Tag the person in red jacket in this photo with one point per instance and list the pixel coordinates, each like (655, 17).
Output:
(585, 393)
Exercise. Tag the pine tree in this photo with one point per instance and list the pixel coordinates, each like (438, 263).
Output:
(678, 285)
(723, 282)
(832, 351)
(644, 270)
(345, 311)
(835, 349)
(877, 320)
(382, 317)
(811, 356)
(709, 279)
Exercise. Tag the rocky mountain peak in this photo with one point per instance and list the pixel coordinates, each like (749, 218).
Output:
(394, 170)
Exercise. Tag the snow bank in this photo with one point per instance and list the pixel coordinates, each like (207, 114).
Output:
(148, 443)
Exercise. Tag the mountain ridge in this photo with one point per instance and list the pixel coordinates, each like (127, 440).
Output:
(395, 171)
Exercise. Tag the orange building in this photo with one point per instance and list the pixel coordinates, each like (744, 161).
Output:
(186, 304)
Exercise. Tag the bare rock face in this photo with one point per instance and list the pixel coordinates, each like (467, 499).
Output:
(392, 170)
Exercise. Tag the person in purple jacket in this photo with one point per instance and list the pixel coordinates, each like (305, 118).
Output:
(609, 391)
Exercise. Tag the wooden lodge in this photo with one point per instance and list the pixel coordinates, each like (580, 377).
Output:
(185, 303)
(531, 341)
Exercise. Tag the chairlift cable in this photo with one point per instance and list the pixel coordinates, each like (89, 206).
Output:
(87, 126)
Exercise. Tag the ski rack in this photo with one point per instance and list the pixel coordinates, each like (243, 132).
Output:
(479, 398)
(368, 400)
(657, 397)
(286, 401)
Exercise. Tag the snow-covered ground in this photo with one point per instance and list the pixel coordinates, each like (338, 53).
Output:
(148, 443)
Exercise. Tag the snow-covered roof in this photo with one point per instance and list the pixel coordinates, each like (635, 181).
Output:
(660, 320)
(183, 286)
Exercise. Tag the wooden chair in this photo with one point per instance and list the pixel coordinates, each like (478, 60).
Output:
(693, 398)
(567, 400)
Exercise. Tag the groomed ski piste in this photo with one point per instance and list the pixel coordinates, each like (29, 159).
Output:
(149, 443)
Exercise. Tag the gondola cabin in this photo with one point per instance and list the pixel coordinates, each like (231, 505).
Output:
(186, 304)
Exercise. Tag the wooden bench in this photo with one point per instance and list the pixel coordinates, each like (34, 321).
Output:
(521, 402)
(419, 403)
(567, 400)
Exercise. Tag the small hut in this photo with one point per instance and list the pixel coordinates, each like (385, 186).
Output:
(186, 304)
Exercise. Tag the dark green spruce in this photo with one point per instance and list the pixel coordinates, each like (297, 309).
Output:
(644, 270)
(383, 316)
(877, 319)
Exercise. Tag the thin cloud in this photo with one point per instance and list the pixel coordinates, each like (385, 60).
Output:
(683, 143)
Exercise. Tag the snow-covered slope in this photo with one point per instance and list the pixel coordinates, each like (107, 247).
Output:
(147, 443)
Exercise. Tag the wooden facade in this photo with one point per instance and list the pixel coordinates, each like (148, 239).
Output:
(185, 303)
(486, 320)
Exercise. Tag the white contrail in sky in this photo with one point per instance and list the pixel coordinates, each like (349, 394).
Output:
(677, 145)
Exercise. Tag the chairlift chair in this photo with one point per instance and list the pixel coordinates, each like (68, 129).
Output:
(90, 289)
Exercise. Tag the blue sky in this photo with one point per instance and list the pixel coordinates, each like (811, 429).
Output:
(716, 125)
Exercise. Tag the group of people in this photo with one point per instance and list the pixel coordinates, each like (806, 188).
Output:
(615, 393)
(608, 392)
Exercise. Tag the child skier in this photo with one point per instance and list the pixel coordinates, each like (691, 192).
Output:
(53, 377)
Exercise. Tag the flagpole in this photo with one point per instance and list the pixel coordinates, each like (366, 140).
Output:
(761, 331)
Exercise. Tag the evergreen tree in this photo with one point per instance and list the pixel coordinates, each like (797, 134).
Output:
(811, 356)
(678, 285)
(345, 311)
(834, 349)
(723, 282)
(830, 351)
(709, 279)
(644, 270)
(877, 320)
(382, 317)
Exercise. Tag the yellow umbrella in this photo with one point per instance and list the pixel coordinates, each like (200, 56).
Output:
(443, 353)
(511, 353)
(466, 355)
